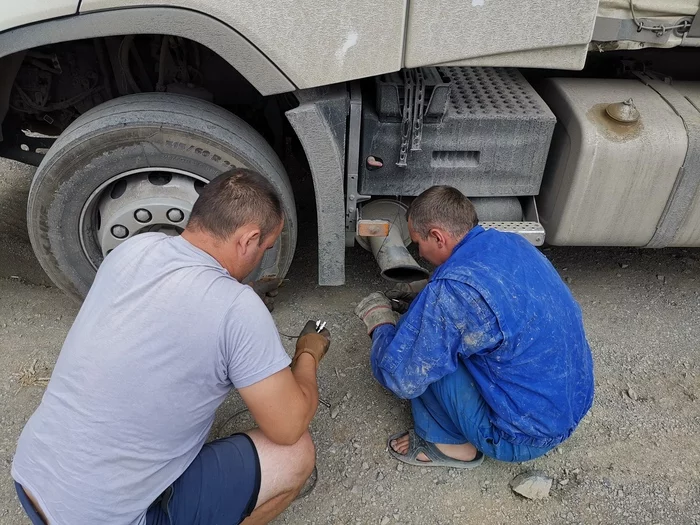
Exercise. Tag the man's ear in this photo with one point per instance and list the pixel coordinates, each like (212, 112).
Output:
(250, 238)
(437, 235)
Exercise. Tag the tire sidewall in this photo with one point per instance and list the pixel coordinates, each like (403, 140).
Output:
(70, 175)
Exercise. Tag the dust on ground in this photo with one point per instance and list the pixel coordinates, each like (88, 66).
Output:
(634, 459)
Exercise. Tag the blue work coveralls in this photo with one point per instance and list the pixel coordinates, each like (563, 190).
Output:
(492, 351)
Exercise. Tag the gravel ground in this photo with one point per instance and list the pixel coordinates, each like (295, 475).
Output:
(634, 459)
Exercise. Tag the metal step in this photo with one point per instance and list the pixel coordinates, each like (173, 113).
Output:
(531, 230)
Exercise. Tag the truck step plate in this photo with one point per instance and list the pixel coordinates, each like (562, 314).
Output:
(532, 231)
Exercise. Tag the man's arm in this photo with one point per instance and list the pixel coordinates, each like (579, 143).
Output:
(284, 404)
(282, 401)
(445, 320)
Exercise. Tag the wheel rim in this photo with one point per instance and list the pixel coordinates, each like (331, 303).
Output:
(137, 201)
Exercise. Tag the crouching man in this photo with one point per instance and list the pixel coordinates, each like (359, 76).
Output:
(492, 352)
(165, 333)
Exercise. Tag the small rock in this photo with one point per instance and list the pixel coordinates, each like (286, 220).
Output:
(379, 476)
(620, 494)
(380, 489)
(624, 265)
(661, 277)
(532, 485)
(399, 467)
(334, 412)
(564, 482)
(632, 394)
(365, 466)
(568, 280)
(355, 489)
(385, 520)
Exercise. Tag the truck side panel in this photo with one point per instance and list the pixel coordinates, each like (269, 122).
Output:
(540, 33)
(313, 42)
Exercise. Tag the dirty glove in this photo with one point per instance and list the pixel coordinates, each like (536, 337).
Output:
(310, 342)
(266, 288)
(403, 294)
(375, 310)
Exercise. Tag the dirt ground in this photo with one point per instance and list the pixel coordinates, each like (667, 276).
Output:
(635, 458)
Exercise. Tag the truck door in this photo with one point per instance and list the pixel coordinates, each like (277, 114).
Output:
(537, 33)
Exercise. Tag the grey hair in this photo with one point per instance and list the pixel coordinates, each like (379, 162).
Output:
(442, 207)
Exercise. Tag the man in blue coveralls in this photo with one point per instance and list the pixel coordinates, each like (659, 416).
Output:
(492, 352)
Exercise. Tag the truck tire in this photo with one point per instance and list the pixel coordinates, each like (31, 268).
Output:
(125, 163)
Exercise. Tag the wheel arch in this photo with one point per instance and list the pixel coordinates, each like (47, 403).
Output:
(220, 38)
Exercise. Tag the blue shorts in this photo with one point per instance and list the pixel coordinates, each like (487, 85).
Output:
(220, 486)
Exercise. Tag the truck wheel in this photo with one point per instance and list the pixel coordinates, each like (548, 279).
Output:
(136, 164)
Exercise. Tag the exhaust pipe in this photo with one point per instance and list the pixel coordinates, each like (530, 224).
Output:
(390, 251)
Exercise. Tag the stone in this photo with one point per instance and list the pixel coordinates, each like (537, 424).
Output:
(335, 411)
(532, 485)
(385, 520)
(632, 394)
(365, 466)
(399, 467)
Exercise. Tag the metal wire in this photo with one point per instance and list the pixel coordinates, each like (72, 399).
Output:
(659, 29)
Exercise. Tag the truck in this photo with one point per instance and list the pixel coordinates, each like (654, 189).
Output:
(571, 123)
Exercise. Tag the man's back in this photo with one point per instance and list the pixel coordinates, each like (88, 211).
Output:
(161, 337)
(539, 380)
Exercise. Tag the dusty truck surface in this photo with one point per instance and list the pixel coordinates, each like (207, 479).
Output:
(574, 122)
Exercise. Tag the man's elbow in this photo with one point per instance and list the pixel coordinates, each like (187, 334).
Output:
(287, 436)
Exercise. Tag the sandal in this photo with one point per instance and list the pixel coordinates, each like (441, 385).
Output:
(417, 444)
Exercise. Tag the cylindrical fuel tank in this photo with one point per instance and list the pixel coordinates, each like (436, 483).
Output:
(607, 182)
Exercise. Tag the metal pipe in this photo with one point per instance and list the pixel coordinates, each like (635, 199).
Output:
(396, 264)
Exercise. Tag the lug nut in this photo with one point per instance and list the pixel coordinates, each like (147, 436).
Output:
(142, 215)
(175, 215)
(119, 231)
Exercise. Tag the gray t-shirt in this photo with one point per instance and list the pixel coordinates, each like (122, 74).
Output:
(159, 341)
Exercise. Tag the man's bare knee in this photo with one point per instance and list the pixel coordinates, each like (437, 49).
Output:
(284, 468)
(306, 456)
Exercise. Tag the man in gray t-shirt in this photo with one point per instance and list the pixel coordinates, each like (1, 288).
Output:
(165, 332)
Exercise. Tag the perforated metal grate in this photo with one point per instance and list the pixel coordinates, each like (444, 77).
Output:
(532, 231)
(491, 91)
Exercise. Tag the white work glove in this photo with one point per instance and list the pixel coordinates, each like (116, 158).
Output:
(375, 310)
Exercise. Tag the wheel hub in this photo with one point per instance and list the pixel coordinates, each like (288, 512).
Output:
(147, 200)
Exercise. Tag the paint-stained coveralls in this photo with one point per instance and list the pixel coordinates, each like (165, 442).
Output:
(492, 351)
